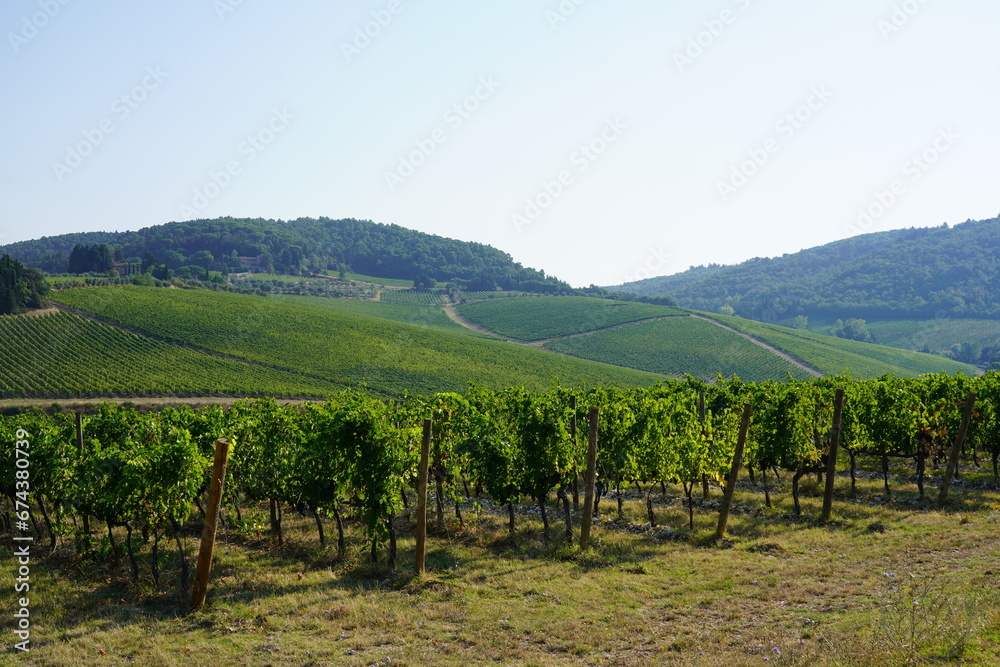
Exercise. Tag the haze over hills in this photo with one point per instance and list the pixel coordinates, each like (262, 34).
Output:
(943, 272)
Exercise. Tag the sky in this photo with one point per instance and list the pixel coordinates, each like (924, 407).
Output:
(600, 141)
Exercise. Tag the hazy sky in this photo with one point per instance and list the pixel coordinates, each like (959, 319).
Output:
(601, 141)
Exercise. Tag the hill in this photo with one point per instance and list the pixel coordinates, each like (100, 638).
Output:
(902, 274)
(668, 340)
(295, 247)
(59, 355)
(832, 355)
(338, 342)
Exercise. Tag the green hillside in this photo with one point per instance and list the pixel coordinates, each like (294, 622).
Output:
(938, 335)
(61, 356)
(679, 345)
(338, 346)
(540, 318)
(832, 355)
(899, 274)
(305, 245)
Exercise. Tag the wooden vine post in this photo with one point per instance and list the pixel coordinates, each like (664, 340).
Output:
(572, 434)
(589, 481)
(80, 446)
(956, 448)
(211, 523)
(831, 461)
(425, 450)
(734, 473)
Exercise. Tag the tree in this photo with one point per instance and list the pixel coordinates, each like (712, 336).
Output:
(852, 329)
(20, 288)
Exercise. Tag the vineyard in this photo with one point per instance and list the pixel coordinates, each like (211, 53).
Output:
(504, 294)
(312, 337)
(64, 356)
(679, 345)
(415, 297)
(539, 318)
(832, 355)
(147, 470)
(137, 481)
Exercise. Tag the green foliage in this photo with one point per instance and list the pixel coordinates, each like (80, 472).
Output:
(20, 288)
(302, 245)
(852, 329)
(899, 274)
(546, 317)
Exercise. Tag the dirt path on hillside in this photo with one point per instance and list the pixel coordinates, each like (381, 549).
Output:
(461, 320)
(770, 348)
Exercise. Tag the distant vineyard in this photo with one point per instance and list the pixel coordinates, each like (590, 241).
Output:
(680, 345)
(832, 355)
(62, 355)
(417, 297)
(338, 346)
(539, 318)
(481, 296)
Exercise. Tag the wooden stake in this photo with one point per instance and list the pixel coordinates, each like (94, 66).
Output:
(211, 518)
(956, 448)
(831, 461)
(86, 519)
(425, 451)
(589, 480)
(734, 473)
(572, 433)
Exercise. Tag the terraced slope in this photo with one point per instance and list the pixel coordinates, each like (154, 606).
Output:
(64, 356)
(835, 355)
(338, 346)
(679, 345)
(544, 317)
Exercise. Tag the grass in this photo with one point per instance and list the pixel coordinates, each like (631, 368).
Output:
(540, 318)
(60, 355)
(832, 355)
(778, 590)
(679, 345)
(334, 345)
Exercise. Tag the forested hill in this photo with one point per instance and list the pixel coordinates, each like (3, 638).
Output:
(909, 273)
(297, 246)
